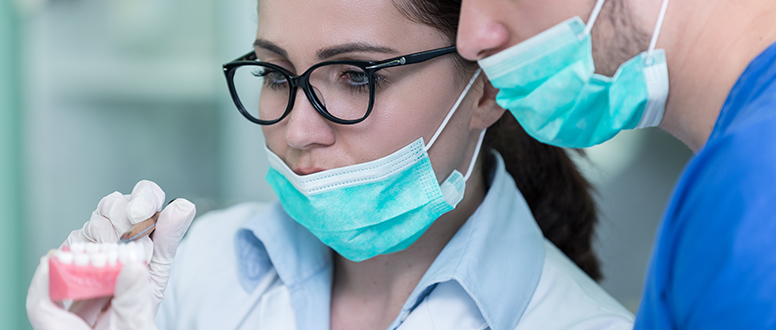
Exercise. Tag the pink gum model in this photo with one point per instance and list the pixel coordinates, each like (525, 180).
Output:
(88, 270)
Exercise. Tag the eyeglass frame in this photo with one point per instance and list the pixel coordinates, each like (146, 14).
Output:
(303, 80)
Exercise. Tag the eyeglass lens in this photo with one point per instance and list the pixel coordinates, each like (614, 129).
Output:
(343, 91)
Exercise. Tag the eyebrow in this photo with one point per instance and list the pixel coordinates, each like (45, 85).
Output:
(326, 53)
(352, 48)
(268, 45)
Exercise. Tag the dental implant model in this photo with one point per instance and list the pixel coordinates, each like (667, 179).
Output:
(89, 270)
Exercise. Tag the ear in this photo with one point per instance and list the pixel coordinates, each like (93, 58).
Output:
(485, 111)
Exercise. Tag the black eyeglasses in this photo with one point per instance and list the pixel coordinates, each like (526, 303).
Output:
(342, 91)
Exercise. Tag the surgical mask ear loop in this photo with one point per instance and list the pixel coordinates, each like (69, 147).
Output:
(452, 111)
(656, 32)
(447, 118)
(593, 17)
(474, 157)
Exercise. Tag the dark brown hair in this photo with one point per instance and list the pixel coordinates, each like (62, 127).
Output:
(559, 196)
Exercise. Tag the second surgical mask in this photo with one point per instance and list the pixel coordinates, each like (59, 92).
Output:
(549, 84)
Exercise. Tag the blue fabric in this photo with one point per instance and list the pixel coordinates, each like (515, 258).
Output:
(501, 237)
(714, 266)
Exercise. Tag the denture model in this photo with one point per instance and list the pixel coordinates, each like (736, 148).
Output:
(89, 270)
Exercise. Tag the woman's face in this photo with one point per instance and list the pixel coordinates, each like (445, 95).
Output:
(411, 101)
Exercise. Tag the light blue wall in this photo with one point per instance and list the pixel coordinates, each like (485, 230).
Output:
(13, 281)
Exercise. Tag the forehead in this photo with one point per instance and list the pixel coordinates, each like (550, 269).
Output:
(308, 25)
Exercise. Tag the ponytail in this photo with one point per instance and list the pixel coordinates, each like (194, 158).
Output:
(559, 197)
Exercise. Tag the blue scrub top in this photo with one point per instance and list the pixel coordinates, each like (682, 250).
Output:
(714, 266)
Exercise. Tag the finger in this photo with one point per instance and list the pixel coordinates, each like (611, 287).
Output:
(89, 310)
(100, 229)
(148, 247)
(113, 208)
(43, 313)
(173, 223)
(146, 199)
(97, 226)
(106, 224)
(131, 307)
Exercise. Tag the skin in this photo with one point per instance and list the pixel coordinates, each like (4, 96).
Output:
(708, 44)
(369, 294)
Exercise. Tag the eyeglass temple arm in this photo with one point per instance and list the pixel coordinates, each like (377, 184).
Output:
(413, 58)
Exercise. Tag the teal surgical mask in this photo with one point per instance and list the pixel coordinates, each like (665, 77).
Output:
(373, 208)
(549, 84)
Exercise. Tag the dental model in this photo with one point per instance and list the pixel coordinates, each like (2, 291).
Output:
(89, 270)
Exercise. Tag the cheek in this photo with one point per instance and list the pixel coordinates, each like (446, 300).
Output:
(402, 119)
(274, 138)
(529, 18)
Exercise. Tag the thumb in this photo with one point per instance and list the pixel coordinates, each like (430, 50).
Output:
(173, 223)
(43, 313)
(131, 307)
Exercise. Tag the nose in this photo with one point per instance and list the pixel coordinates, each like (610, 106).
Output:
(305, 127)
(480, 34)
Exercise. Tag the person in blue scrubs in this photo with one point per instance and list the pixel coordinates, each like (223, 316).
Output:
(705, 71)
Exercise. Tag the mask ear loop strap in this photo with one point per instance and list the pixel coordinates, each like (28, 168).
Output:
(656, 32)
(474, 157)
(452, 111)
(593, 17)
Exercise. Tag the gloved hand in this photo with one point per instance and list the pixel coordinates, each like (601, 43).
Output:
(115, 214)
(130, 307)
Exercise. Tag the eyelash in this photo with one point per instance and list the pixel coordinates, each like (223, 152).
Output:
(379, 80)
(268, 82)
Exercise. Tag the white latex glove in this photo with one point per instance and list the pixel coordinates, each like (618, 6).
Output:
(114, 215)
(130, 308)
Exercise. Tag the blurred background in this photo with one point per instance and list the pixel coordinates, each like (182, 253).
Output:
(96, 95)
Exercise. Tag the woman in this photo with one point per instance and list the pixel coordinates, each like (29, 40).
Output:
(389, 214)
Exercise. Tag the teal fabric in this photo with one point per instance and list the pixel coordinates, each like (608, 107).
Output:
(13, 280)
(549, 84)
(386, 213)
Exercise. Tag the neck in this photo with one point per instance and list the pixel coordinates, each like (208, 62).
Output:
(708, 44)
(374, 290)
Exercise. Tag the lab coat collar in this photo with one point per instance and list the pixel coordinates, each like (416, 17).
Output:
(302, 263)
(497, 256)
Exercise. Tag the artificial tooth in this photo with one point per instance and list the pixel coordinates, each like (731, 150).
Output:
(112, 256)
(78, 247)
(111, 246)
(98, 259)
(65, 257)
(92, 248)
(123, 255)
(81, 259)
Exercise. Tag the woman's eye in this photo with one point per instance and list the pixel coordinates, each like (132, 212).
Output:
(272, 78)
(277, 76)
(357, 77)
(270, 74)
